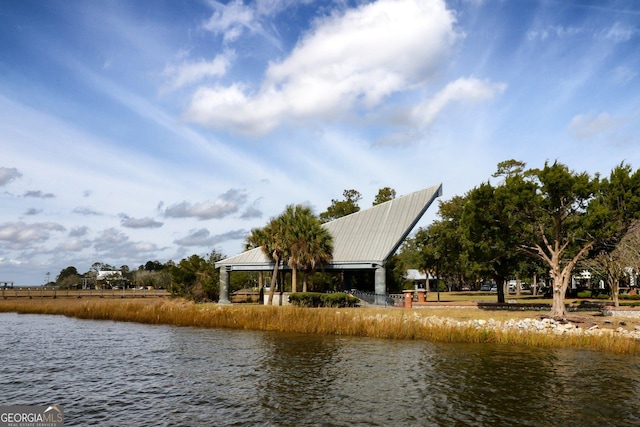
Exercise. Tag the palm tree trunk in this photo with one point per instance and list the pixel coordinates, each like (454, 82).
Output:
(274, 278)
(294, 280)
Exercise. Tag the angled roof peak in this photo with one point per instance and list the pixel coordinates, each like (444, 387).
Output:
(374, 234)
(369, 236)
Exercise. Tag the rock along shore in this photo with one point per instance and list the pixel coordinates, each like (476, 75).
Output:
(528, 325)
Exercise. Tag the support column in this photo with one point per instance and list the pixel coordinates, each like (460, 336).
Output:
(224, 286)
(380, 279)
(408, 298)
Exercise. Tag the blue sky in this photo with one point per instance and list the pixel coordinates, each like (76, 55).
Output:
(134, 131)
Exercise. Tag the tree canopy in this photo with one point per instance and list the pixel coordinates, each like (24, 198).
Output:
(296, 237)
(340, 208)
(552, 214)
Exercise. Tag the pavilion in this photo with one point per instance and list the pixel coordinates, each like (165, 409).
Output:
(364, 240)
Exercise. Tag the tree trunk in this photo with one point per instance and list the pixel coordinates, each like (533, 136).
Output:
(500, 282)
(274, 278)
(558, 309)
(294, 279)
(304, 281)
(560, 279)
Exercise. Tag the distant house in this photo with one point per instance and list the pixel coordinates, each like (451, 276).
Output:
(109, 278)
(419, 279)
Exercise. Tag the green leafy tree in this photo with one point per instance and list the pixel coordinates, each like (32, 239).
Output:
(68, 278)
(440, 247)
(487, 225)
(196, 278)
(340, 208)
(384, 195)
(65, 272)
(572, 213)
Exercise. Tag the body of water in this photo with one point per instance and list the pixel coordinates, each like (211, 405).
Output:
(125, 374)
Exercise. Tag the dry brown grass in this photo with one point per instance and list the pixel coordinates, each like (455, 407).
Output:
(365, 322)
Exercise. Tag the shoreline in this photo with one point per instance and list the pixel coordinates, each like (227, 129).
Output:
(456, 325)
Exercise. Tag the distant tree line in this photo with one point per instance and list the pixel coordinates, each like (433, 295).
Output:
(295, 237)
(538, 222)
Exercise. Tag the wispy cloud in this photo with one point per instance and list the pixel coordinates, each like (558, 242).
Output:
(33, 211)
(38, 195)
(87, 211)
(7, 175)
(233, 19)
(619, 33)
(116, 244)
(463, 90)
(18, 235)
(590, 126)
(188, 73)
(127, 221)
(202, 237)
(226, 204)
(79, 231)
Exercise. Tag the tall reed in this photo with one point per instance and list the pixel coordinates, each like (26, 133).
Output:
(364, 322)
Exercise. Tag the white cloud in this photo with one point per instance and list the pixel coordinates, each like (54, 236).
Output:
(78, 231)
(554, 31)
(619, 33)
(590, 126)
(18, 235)
(189, 73)
(202, 237)
(226, 204)
(116, 245)
(129, 222)
(352, 60)
(463, 90)
(623, 75)
(231, 20)
(74, 245)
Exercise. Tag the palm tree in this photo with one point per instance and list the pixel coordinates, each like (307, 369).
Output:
(310, 243)
(318, 250)
(272, 240)
(296, 236)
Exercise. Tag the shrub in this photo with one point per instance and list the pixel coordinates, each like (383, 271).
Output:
(629, 296)
(339, 299)
(316, 299)
(602, 296)
(306, 299)
(584, 294)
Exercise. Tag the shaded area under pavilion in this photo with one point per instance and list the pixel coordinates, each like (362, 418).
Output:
(364, 240)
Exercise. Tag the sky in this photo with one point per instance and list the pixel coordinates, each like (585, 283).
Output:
(133, 131)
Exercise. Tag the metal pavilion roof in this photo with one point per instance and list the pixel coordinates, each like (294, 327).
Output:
(360, 240)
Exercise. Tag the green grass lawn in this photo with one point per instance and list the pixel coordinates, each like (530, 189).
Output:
(479, 296)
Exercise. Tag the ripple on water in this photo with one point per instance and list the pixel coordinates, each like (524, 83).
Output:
(108, 373)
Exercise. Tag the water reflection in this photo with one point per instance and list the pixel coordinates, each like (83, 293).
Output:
(107, 373)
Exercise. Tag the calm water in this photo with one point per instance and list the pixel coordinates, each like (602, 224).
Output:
(122, 374)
